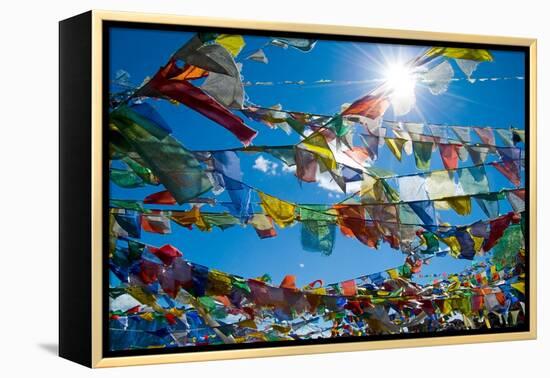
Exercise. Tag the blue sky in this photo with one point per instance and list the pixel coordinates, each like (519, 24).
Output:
(239, 250)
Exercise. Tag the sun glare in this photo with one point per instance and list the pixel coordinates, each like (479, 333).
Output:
(400, 80)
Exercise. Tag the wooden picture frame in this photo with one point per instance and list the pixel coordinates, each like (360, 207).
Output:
(84, 187)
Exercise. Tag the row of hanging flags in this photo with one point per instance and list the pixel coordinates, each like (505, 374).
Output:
(157, 298)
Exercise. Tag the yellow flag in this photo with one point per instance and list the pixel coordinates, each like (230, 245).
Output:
(317, 144)
(280, 211)
(479, 55)
(478, 240)
(188, 218)
(453, 244)
(462, 205)
(519, 286)
(147, 316)
(394, 273)
(232, 43)
(396, 146)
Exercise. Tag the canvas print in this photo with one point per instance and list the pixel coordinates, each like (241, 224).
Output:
(285, 189)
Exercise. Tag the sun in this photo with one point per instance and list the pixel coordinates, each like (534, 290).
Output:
(400, 80)
(399, 85)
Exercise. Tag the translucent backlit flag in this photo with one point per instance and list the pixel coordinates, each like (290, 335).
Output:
(208, 57)
(497, 227)
(478, 55)
(306, 165)
(189, 218)
(129, 221)
(318, 236)
(127, 204)
(441, 184)
(227, 164)
(468, 67)
(285, 154)
(318, 228)
(507, 249)
(263, 226)
(371, 144)
(349, 288)
(167, 253)
(407, 216)
(350, 174)
(395, 145)
(438, 131)
(467, 244)
(142, 171)
(415, 130)
(176, 168)
(463, 133)
(147, 117)
(506, 136)
(412, 188)
(156, 223)
(462, 204)
(164, 85)
(449, 155)
(369, 106)
(422, 154)
(489, 203)
(317, 145)
(512, 154)
(288, 282)
(340, 126)
(241, 199)
(425, 210)
(510, 170)
(258, 56)
(190, 72)
(221, 220)
(125, 178)
(301, 44)
(232, 42)
(486, 135)
(353, 223)
(478, 154)
(438, 78)
(473, 180)
(224, 82)
(228, 90)
(160, 198)
(358, 154)
(280, 211)
(517, 200)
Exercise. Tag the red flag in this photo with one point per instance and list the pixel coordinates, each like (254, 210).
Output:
(486, 135)
(369, 106)
(167, 253)
(160, 198)
(156, 223)
(352, 221)
(449, 155)
(510, 169)
(349, 288)
(288, 282)
(166, 83)
(498, 226)
(358, 154)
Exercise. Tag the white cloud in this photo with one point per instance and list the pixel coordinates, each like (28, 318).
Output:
(265, 166)
(325, 181)
(301, 265)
